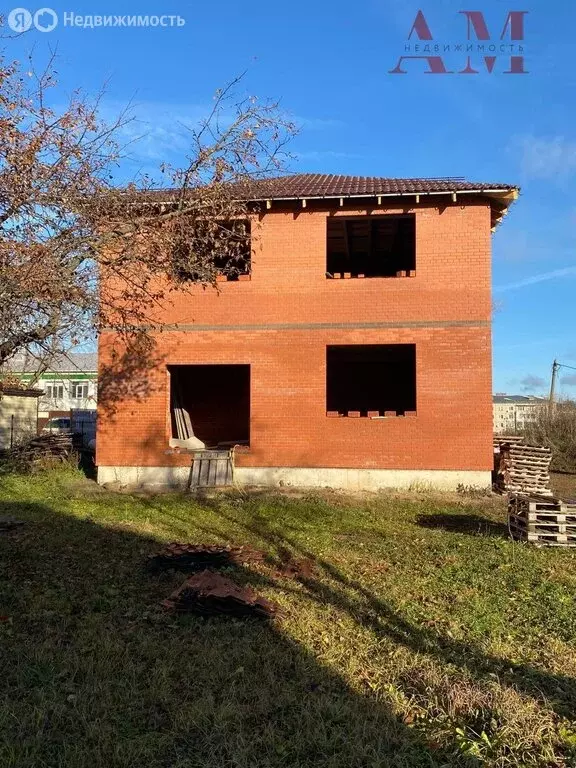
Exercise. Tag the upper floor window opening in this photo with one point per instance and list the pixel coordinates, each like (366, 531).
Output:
(371, 246)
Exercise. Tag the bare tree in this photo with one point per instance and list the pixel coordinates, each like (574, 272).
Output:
(64, 224)
(555, 428)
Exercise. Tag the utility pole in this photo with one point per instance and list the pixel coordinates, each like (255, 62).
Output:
(555, 367)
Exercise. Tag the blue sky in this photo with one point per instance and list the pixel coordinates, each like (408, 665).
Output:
(328, 63)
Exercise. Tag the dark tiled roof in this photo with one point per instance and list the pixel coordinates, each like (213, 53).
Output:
(332, 185)
(318, 185)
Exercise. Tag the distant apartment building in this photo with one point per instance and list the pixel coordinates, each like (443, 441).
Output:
(513, 412)
(70, 383)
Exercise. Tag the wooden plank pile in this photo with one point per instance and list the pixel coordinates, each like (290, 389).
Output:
(50, 446)
(209, 594)
(183, 423)
(522, 468)
(542, 520)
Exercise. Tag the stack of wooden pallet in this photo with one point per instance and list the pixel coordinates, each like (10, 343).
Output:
(499, 440)
(524, 469)
(545, 521)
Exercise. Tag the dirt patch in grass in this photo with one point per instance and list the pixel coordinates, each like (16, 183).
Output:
(564, 484)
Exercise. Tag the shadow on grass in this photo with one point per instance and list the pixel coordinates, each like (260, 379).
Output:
(87, 465)
(472, 524)
(96, 674)
(333, 587)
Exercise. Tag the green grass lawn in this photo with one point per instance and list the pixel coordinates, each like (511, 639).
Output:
(423, 636)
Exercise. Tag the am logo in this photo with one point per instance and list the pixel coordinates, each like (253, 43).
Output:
(478, 41)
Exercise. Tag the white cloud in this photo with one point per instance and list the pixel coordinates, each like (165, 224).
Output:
(154, 130)
(534, 279)
(531, 383)
(157, 131)
(545, 157)
(325, 154)
(316, 123)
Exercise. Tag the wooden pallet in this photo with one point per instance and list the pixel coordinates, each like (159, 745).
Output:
(507, 439)
(549, 518)
(547, 539)
(530, 505)
(545, 525)
(524, 469)
(211, 468)
(549, 522)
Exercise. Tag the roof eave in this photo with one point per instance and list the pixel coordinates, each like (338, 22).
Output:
(351, 195)
(502, 196)
(505, 196)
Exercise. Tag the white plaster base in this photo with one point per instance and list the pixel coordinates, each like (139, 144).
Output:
(307, 477)
(167, 477)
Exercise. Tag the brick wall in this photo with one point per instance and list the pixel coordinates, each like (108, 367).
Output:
(280, 323)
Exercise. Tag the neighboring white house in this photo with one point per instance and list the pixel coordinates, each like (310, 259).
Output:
(513, 412)
(18, 415)
(70, 382)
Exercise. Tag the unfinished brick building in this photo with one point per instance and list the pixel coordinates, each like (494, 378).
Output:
(354, 353)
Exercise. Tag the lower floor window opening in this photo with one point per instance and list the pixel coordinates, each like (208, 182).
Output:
(371, 380)
(212, 402)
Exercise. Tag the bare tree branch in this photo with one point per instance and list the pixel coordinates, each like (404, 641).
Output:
(78, 254)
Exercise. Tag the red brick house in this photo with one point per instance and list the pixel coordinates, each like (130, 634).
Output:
(355, 352)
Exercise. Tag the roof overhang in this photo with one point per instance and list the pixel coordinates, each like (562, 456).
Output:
(500, 199)
(267, 193)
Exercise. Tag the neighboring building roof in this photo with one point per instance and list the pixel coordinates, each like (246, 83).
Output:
(12, 392)
(518, 399)
(74, 361)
